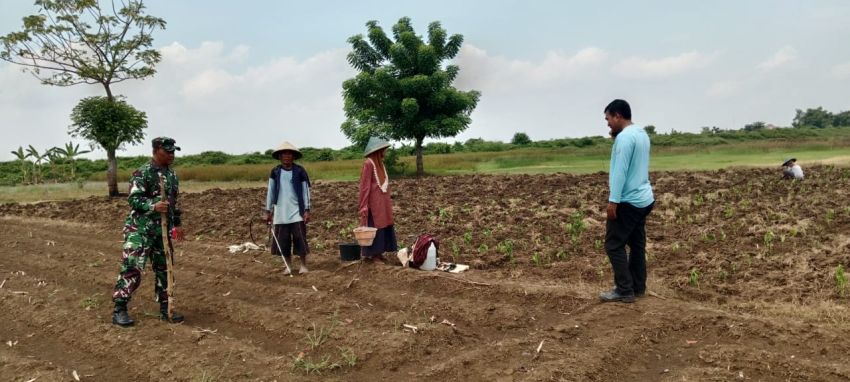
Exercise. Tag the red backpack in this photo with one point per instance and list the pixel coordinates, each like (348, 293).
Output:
(420, 249)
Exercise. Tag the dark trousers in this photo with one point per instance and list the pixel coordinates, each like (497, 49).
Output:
(289, 236)
(628, 229)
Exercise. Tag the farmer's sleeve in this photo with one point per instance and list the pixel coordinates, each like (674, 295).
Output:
(621, 155)
(137, 199)
(176, 212)
(269, 195)
(365, 186)
(306, 185)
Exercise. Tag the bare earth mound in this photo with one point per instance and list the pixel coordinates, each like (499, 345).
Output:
(742, 270)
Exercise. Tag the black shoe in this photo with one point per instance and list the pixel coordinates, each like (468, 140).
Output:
(163, 314)
(120, 316)
(613, 296)
(640, 294)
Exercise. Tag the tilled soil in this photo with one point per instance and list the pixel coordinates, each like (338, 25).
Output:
(742, 274)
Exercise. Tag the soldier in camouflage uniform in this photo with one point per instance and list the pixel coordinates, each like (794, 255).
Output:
(143, 230)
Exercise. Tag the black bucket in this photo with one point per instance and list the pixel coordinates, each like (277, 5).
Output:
(349, 251)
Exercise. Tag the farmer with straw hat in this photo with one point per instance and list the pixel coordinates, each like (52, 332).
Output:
(791, 170)
(288, 206)
(143, 236)
(375, 206)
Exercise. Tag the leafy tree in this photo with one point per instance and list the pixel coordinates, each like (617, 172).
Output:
(72, 42)
(110, 124)
(650, 129)
(754, 126)
(22, 156)
(842, 119)
(817, 118)
(71, 152)
(403, 91)
(520, 139)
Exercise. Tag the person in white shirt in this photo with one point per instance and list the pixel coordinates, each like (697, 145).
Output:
(791, 170)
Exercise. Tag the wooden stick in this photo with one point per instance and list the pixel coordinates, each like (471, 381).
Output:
(348, 265)
(169, 259)
(460, 280)
(653, 294)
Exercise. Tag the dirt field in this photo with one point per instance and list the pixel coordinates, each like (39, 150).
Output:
(742, 275)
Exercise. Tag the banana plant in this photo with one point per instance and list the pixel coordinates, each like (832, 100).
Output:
(36, 163)
(71, 152)
(22, 157)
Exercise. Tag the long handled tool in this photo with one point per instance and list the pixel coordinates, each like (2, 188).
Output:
(279, 250)
(166, 247)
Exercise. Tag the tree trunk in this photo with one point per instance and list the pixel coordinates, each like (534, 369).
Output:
(112, 172)
(111, 160)
(420, 167)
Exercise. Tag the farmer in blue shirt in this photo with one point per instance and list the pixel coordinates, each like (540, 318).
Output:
(630, 200)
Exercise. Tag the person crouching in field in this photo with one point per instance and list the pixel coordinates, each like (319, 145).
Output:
(375, 205)
(288, 206)
(791, 170)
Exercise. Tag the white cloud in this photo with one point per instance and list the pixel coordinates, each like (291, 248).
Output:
(480, 70)
(841, 71)
(639, 67)
(783, 56)
(722, 89)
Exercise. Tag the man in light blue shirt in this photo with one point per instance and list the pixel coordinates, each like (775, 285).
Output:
(630, 200)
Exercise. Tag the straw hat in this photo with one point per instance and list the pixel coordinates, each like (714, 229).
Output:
(788, 160)
(286, 146)
(375, 144)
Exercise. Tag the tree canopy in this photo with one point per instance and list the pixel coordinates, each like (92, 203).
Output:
(403, 90)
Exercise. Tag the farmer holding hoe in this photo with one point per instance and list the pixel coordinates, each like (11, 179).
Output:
(288, 206)
(143, 231)
(630, 200)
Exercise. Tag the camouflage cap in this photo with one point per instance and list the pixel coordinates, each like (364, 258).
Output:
(165, 143)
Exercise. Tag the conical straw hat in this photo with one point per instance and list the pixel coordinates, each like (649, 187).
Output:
(286, 146)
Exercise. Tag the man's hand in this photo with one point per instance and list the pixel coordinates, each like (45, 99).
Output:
(177, 234)
(306, 217)
(161, 206)
(612, 211)
(268, 217)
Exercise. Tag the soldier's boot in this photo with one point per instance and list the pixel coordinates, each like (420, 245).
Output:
(120, 316)
(163, 314)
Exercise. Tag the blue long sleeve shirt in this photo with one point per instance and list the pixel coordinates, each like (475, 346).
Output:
(628, 178)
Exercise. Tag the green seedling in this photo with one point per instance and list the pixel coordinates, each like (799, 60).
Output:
(693, 278)
(483, 248)
(840, 280)
(536, 259)
(467, 237)
(348, 356)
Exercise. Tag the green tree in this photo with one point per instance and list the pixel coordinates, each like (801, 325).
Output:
(22, 156)
(403, 90)
(650, 129)
(520, 139)
(755, 126)
(842, 119)
(818, 118)
(70, 152)
(110, 124)
(72, 42)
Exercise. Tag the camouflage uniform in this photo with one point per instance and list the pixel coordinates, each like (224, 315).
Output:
(143, 231)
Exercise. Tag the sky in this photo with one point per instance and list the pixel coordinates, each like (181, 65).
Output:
(244, 76)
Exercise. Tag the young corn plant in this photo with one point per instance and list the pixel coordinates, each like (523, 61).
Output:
(693, 278)
(840, 280)
(575, 226)
(537, 259)
(830, 216)
(769, 237)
